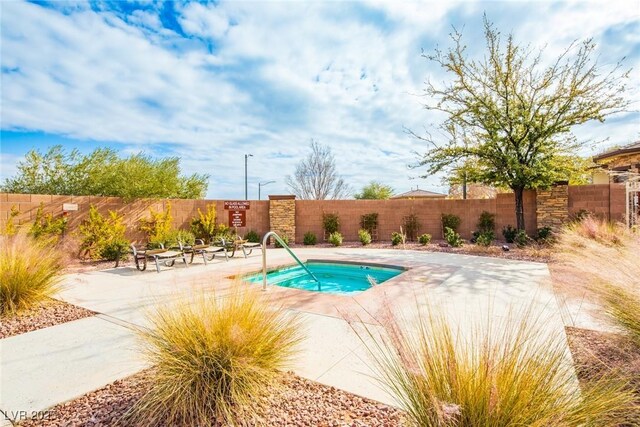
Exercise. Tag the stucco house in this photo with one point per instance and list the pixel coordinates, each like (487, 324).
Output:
(616, 165)
(419, 194)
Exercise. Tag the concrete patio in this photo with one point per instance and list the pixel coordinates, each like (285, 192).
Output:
(42, 368)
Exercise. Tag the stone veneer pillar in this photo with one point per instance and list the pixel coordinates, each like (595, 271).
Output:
(282, 216)
(552, 206)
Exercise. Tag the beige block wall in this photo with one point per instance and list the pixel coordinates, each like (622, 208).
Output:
(391, 214)
(301, 216)
(182, 210)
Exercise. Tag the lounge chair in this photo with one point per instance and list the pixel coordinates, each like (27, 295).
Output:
(240, 244)
(168, 256)
(208, 252)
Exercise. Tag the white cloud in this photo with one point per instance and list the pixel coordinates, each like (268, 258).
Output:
(262, 78)
(204, 21)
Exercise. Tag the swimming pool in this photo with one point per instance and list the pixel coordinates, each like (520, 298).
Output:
(336, 278)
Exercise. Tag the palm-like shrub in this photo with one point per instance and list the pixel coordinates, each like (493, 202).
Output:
(29, 273)
(214, 359)
(506, 374)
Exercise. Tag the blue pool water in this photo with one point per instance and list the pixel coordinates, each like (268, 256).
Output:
(335, 278)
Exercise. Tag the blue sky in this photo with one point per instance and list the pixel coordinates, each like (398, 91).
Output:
(210, 82)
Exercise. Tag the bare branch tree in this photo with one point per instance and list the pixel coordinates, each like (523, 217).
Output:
(316, 178)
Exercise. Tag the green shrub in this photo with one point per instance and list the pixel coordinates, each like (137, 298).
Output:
(158, 227)
(330, 223)
(487, 221)
(452, 238)
(509, 233)
(225, 232)
(510, 373)
(310, 238)
(284, 238)
(365, 237)
(46, 226)
(485, 238)
(544, 235)
(425, 239)
(369, 222)
(521, 238)
(103, 238)
(335, 238)
(204, 225)
(579, 215)
(10, 227)
(172, 239)
(397, 238)
(450, 221)
(115, 250)
(411, 225)
(182, 236)
(214, 360)
(29, 273)
(252, 237)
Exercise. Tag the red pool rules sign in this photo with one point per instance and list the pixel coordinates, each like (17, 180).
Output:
(237, 212)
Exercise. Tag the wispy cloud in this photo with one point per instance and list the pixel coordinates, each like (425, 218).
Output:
(211, 82)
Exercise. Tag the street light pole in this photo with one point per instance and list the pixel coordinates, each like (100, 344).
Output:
(262, 184)
(246, 193)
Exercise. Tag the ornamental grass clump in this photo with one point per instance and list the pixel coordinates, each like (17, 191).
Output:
(215, 359)
(502, 374)
(607, 255)
(29, 273)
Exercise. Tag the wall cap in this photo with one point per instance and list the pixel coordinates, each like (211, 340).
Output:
(282, 197)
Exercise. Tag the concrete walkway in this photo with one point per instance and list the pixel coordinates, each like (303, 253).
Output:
(42, 368)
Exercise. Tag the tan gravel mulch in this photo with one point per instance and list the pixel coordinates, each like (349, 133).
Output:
(299, 402)
(598, 353)
(49, 313)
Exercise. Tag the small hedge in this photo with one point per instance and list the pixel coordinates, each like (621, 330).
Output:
(310, 238)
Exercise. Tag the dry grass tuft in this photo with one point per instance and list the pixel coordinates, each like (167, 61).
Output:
(29, 273)
(214, 359)
(609, 255)
(500, 375)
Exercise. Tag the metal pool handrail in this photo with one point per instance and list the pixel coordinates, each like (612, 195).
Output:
(284, 245)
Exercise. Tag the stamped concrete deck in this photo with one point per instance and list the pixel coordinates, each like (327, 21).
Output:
(42, 368)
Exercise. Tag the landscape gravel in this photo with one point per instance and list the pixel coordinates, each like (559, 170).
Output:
(294, 402)
(49, 313)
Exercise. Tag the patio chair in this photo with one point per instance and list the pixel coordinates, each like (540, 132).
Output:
(168, 256)
(208, 252)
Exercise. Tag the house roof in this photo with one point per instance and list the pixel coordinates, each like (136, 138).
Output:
(418, 194)
(632, 148)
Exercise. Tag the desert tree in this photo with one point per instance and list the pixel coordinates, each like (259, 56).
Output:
(512, 112)
(375, 190)
(316, 178)
(104, 173)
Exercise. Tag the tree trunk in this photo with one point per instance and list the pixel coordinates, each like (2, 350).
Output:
(518, 194)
